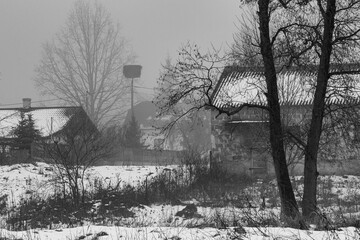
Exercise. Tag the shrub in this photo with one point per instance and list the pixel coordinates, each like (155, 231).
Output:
(45, 213)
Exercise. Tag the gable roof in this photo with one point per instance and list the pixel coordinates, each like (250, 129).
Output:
(145, 112)
(239, 85)
(49, 120)
(146, 115)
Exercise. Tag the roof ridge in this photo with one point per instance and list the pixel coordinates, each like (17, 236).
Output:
(310, 68)
(36, 108)
(232, 73)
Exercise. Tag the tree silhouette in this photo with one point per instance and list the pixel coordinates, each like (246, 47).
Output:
(25, 133)
(132, 134)
(307, 35)
(83, 64)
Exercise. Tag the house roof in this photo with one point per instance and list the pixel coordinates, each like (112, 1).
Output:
(246, 85)
(48, 120)
(146, 116)
(144, 113)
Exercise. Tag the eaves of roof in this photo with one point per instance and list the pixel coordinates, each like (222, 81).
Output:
(232, 74)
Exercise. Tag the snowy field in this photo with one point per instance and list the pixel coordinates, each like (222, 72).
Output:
(22, 180)
(159, 221)
(177, 233)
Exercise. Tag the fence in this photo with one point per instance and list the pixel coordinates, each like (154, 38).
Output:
(122, 156)
(133, 156)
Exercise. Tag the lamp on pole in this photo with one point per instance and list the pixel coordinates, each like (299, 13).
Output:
(132, 71)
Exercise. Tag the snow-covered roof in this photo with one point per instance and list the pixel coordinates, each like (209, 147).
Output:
(246, 85)
(47, 120)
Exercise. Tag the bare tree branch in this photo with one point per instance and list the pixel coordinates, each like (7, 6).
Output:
(83, 64)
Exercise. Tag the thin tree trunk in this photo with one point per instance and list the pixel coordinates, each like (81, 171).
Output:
(310, 168)
(289, 206)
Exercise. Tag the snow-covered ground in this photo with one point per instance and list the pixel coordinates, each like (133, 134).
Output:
(159, 221)
(180, 233)
(20, 180)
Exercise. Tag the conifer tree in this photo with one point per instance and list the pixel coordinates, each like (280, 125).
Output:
(132, 134)
(25, 133)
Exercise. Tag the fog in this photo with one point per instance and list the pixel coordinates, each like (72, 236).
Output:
(155, 29)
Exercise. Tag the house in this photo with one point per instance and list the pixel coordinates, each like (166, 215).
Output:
(145, 115)
(191, 131)
(240, 142)
(150, 125)
(158, 148)
(52, 122)
(161, 147)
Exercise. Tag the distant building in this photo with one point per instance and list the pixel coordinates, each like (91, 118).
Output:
(240, 142)
(50, 121)
(151, 128)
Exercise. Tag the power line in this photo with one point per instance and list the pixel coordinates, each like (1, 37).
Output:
(144, 88)
(56, 99)
(37, 101)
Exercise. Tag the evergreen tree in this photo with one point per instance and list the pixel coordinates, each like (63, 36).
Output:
(132, 134)
(25, 132)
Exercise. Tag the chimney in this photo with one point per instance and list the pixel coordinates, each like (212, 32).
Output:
(26, 103)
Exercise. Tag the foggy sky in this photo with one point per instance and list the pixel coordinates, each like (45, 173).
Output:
(155, 28)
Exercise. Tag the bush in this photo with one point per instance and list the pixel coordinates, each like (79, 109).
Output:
(106, 203)
(39, 213)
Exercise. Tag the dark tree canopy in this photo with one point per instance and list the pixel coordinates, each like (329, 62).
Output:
(25, 132)
(132, 134)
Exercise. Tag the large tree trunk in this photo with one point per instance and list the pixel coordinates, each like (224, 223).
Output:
(312, 147)
(289, 206)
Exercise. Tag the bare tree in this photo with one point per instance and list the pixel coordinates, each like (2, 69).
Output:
(340, 31)
(83, 64)
(192, 81)
(309, 36)
(75, 149)
(315, 33)
(187, 85)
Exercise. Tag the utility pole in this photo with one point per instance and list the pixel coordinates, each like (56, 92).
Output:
(132, 97)
(132, 71)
